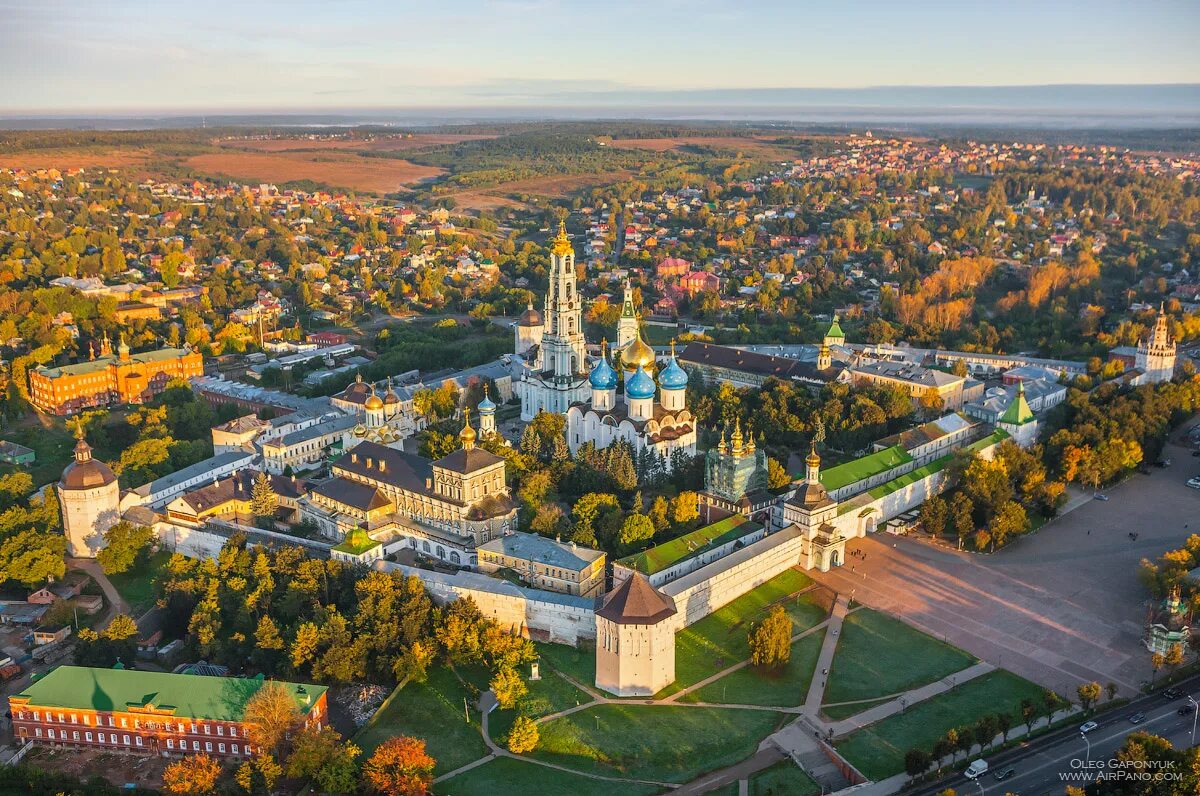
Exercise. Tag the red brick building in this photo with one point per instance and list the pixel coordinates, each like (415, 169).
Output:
(147, 712)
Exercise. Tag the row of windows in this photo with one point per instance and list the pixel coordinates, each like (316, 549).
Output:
(124, 740)
(73, 718)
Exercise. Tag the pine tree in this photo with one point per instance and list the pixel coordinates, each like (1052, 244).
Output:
(263, 500)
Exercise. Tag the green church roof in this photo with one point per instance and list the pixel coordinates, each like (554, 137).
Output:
(667, 554)
(190, 696)
(1018, 412)
(835, 329)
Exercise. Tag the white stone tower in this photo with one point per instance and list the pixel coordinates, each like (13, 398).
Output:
(635, 639)
(1156, 353)
(90, 499)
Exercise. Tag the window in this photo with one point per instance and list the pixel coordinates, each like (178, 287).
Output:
(88, 736)
(208, 746)
(62, 719)
(195, 746)
(235, 749)
(124, 722)
(207, 729)
(170, 743)
(75, 735)
(101, 737)
(221, 748)
(220, 729)
(126, 740)
(233, 732)
(38, 730)
(50, 733)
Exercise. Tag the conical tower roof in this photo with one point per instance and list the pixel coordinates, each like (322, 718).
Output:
(636, 602)
(1018, 412)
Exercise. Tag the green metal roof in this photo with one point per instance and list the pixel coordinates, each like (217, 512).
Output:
(835, 329)
(667, 554)
(190, 696)
(864, 467)
(1018, 412)
(100, 364)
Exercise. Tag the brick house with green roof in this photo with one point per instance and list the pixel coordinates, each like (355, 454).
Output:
(148, 712)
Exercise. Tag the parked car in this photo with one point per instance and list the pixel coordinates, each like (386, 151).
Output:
(1137, 718)
(977, 769)
(1088, 726)
(1005, 773)
(1196, 453)
(1172, 693)
(1194, 483)
(1099, 496)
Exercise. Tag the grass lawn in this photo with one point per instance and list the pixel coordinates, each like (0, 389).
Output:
(548, 695)
(578, 662)
(137, 585)
(719, 640)
(782, 779)
(663, 743)
(432, 710)
(877, 655)
(50, 440)
(504, 776)
(878, 751)
(749, 686)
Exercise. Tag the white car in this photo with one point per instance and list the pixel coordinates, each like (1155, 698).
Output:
(1194, 483)
(1088, 727)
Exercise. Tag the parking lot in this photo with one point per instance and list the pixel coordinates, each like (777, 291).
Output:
(1059, 607)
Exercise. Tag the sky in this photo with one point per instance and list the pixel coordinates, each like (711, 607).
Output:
(64, 56)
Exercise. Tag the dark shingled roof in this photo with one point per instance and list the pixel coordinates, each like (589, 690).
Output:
(86, 472)
(468, 461)
(636, 602)
(765, 365)
(403, 470)
(351, 493)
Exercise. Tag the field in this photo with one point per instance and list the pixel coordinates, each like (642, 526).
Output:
(749, 686)
(660, 743)
(878, 750)
(76, 159)
(878, 656)
(347, 170)
(782, 779)
(504, 776)
(384, 144)
(719, 640)
(49, 439)
(432, 710)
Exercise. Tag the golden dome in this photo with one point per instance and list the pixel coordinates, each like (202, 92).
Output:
(467, 435)
(638, 353)
(374, 401)
(562, 245)
(813, 459)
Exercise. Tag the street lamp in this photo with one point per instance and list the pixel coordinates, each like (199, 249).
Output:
(1195, 711)
(1083, 735)
(979, 785)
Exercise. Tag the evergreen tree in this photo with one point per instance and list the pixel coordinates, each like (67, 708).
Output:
(263, 500)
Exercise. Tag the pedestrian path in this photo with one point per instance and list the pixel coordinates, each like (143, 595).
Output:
(908, 699)
(833, 630)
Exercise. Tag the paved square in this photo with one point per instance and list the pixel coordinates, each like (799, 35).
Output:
(1060, 607)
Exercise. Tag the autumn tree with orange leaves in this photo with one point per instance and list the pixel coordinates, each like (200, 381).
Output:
(194, 774)
(400, 767)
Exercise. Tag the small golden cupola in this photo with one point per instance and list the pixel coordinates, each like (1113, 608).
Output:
(467, 435)
(562, 244)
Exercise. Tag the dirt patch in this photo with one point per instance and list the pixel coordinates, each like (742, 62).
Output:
(379, 175)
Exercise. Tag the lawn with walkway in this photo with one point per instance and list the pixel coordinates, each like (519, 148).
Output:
(878, 656)
(433, 711)
(878, 750)
(136, 586)
(504, 776)
(547, 695)
(782, 779)
(718, 640)
(661, 743)
(578, 662)
(750, 686)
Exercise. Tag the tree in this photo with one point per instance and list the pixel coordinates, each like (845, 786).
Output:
(771, 640)
(1029, 714)
(258, 774)
(934, 515)
(1089, 694)
(961, 517)
(1004, 723)
(685, 507)
(124, 544)
(985, 731)
(271, 713)
(917, 762)
(523, 737)
(1157, 661)
(508, 687)
(400, 766)
(193, 775)
(658, 513)
(1111, 689)
(777, 475)
(32, 557)
(323, 756)
(636, 528)
(263, 500)
(120, 628)
(1010, 520)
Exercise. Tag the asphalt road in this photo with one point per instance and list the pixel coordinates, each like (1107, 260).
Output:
(1048, 765)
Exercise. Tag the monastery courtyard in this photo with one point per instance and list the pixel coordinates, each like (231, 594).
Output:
(1059, 607)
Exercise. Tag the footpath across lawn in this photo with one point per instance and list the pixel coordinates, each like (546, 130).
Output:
(878, 750)
(578, 662)
(432, 710)
(749, 686)
(547, 695)
(878, 656)
(505, 776)
(719, 640)
(661, 743)
(137, 585)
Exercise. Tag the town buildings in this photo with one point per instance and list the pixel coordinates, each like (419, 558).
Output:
(121, 710)
(110, 379)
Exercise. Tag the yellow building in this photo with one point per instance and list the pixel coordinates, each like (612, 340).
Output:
(111, 379)
(545, 564)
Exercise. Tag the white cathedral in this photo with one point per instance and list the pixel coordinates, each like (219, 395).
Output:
(550, 373)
